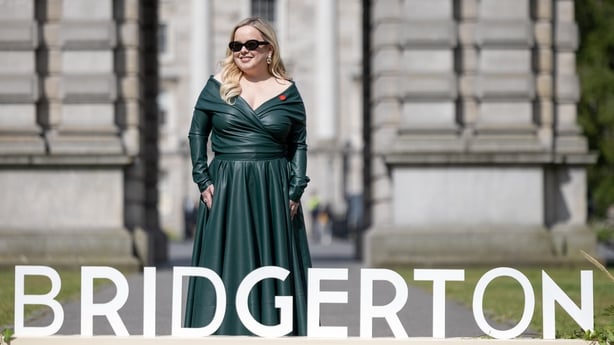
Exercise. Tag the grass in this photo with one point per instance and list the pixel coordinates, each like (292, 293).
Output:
(71, 288)
(504, 298)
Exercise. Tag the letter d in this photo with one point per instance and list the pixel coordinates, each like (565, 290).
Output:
(21, 299)
(220, 306)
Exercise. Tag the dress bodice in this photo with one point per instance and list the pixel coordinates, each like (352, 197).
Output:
(237, 128)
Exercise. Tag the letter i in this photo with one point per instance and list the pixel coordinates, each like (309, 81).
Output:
(149, 302)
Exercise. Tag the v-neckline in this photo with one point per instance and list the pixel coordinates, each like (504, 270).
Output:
(255, 110)
(277, 96)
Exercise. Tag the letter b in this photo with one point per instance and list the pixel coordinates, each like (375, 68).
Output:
(48, 299)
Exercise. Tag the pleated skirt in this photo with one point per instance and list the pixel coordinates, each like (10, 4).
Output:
(248, 227)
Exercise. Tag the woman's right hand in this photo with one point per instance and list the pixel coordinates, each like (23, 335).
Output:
(207, 196)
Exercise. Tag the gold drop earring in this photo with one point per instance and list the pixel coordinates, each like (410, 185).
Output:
(269, 59)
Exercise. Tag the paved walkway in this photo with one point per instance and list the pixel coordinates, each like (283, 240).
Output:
(416, 316)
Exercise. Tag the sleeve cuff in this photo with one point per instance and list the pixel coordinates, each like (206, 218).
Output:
(203, 185)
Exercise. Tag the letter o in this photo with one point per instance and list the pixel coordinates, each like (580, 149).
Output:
(529, 303)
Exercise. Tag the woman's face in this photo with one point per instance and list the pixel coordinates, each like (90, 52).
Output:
(251, 61)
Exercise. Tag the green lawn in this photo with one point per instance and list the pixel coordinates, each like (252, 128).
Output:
(504, 298)
(71, 287)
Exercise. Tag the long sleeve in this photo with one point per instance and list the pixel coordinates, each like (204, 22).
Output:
(198, 136)
(297, 155)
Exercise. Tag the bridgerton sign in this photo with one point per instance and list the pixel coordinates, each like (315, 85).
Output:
(551, 295)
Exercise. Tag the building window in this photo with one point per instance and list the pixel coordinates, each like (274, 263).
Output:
(163, 106)
(264, 9)
(162, 38)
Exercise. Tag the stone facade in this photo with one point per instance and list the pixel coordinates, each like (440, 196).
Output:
(477, 157)
(78, 133)
(472, 155)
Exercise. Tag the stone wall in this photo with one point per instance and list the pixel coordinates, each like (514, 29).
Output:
(78, 133)
(477, 157)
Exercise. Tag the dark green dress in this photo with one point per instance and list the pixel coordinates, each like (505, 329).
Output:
(258, 167)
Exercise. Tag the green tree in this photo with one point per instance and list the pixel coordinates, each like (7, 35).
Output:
(595, 63)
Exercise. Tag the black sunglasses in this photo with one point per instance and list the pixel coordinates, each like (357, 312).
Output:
(236, 46)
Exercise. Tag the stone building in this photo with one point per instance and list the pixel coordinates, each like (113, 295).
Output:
(87, 160)
(78, 133)
(475, 154)
(464, 141)
(321, 47)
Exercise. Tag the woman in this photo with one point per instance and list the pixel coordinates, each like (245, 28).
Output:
(250, 215)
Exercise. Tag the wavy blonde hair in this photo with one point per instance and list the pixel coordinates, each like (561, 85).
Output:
(231, 74)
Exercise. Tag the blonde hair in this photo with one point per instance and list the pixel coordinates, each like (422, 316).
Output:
(231, 74)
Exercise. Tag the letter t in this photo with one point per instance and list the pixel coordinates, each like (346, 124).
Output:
(439, 278)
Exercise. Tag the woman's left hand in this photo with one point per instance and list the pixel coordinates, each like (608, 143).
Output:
(293, 208)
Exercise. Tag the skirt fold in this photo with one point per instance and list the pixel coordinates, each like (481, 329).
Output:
(249, 226)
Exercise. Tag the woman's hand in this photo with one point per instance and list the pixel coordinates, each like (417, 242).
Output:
(207, 196)
(293, 208)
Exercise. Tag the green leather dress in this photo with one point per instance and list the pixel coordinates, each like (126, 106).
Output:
(258, 167)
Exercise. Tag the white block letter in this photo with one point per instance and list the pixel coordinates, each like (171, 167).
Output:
(552, 292)
(21, 299)
(317, 297)
(284, 303)
(220, 307)
(529, 303)
(149, 301)
(389, 311)
(109, 309)
(439, 278)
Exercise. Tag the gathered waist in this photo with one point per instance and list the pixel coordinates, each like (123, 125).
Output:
(249, 155)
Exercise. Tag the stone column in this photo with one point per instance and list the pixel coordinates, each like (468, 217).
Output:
(566, 179)
(429, 82)
(494, 172)
(386, 102)
(325, 65)
(414, 106)
(88, 196)
(202, 43)
(544, 65)
(566, 87)
(87, 81)
(506, 83)
(150, 241)
(325, 149)
(20, 80)
(467, 59)
(50, 67)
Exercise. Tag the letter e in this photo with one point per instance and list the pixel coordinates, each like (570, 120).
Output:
(316, 297)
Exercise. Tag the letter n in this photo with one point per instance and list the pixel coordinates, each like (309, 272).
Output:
(552, 292)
